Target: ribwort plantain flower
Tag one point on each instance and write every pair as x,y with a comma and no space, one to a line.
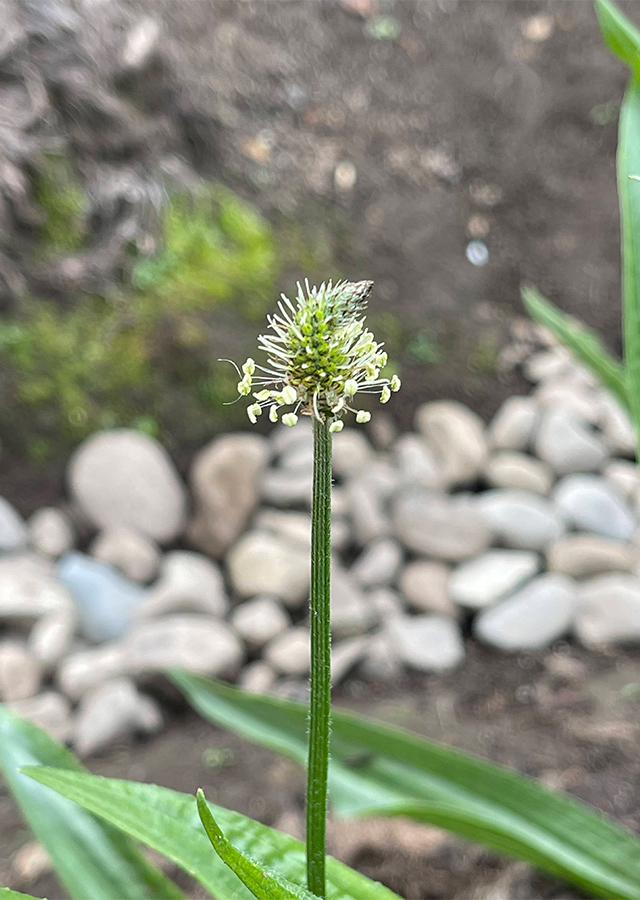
320,357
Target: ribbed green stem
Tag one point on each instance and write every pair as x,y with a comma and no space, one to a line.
320,699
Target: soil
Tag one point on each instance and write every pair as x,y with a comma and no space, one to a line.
566,716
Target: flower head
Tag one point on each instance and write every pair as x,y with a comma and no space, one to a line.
320,356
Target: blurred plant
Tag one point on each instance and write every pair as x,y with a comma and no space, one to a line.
59,194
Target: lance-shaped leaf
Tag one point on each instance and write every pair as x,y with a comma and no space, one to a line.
91,858
619,34
168,822
8,894
376,769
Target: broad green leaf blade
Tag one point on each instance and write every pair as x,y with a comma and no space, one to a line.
376,769
629,197
265,884
92,859
8,894
581,341
619,34
168,822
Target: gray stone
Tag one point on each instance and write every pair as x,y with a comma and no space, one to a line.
263,563
111,711
609,611
29,590
283,438
19,672
345,656
257,677
296,526
385,602
534,617
426,587
624,476
288,654
586,555
583,403
123,477
352,453
378,564
427,643
513,426
259,621
565,442
368,511
351,613
51,637
417,463
14,534
140,45
517,471
456,436
285,487
85,669
188,582
547,364
51,532
484,581
617,427
49,711
591,503
381,661
105,600
436,525
133,554
225,481
520,519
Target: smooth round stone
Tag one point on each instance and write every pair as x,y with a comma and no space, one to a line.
517,471
14,534
51,638
425,585
51,532
263,563
426,643
513,425
289,653
456,436
617,427
260,620
567,444
257,677
133,554
624,476
483,581
432,524
351,612
591,503
520,519
352,452
533,617
49,711
29,589
609,611
547,364
367,509
378,564
288,487
345,655
188,582
123,477
586,555
584,403
416,462
19,671
113,710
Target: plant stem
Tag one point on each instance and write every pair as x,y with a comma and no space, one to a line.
320,680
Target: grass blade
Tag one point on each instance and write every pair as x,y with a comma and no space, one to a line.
8,894
619,34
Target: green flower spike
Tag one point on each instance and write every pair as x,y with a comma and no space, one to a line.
320,356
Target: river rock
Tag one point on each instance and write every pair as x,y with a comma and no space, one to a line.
585,404
28,588
513,426
263,563
586,555
591,503
14,534
137,557
345,655
368,511
296,526
225,481
288,487
520,519
567,444
113,710
257,677
609,611
624,476
617,427
425,586
49,711
433,524
259,621
288,653
378,564
19,671
51,637
188,582
416,462
483,581
85,669
105,600
123,477
547,364
456,436
427,643
351,612
51,532
534,617
518,471
352,453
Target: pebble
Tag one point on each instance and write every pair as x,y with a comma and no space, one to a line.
351,613
513,426
288,654
225,483
263,563
428,643
137,557
188,582
520,519
534,617
378,564
369,517
547,364
50,711
425,585
586,555
517,471
14,534
456,436
381,661
51,532
28,588
416,462
30,862
591,503
345,656
105,600
51,637
584,404
624,476
111,711
296,526
609,611
617,428
123,477
282,487
259,621
257,677
352,453
433,524
385,602
484,581
567,444
85,669
19,671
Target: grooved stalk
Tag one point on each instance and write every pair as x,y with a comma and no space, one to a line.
320,679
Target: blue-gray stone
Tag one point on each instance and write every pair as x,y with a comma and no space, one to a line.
104,598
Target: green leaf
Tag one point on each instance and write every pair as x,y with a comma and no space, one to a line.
581,341
376,769
92,859
8,894
619,34
629,198
168,822
265,884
